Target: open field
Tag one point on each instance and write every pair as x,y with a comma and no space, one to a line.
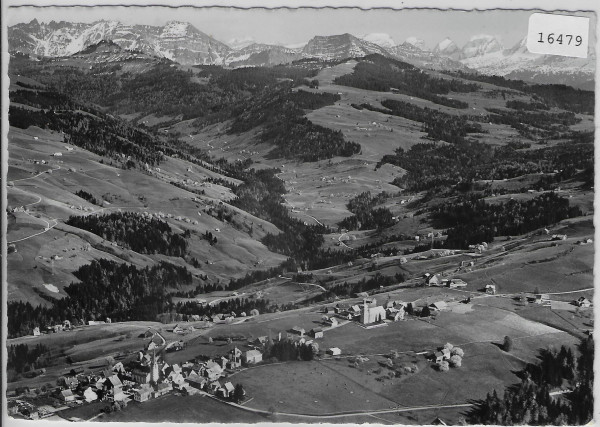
190,409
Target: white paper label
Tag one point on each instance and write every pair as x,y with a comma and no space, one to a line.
563,35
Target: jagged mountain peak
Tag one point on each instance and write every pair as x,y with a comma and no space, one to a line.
340,46
479,45
415,42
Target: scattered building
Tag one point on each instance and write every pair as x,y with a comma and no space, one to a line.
252,357
438,306
300,331
432,280
67,396
317,333
334,351
456,283
490,289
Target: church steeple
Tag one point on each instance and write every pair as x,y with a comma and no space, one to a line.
154,368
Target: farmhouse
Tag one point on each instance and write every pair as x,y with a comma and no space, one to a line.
227,389
456,283
196,381
438,356
432,280
252,357
300,331
543,299
67,396
438,306
178,330
317,333
490,289
334,351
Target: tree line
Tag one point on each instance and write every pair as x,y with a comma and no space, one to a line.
366,216
106,289
280,112
140,233
473,220
21,358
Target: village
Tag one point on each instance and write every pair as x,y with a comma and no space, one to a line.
145,375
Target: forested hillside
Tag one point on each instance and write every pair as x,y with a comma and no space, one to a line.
135,231
378,73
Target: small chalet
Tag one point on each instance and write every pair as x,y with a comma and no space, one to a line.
317,333
490,289
252,357
457,283
67,396
334,351
262,340
300,331
438,356
438,306
178,330
112,384
227,389
432,280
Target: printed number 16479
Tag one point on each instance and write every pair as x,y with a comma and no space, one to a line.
554,38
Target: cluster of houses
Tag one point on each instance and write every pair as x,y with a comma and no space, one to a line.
148,377
437,280
369,312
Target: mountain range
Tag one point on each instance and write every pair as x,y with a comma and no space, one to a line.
183,43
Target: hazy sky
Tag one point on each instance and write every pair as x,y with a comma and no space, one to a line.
287,27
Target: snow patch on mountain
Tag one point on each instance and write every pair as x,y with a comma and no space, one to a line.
381,39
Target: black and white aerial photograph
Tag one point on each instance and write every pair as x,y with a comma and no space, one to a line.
342,215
